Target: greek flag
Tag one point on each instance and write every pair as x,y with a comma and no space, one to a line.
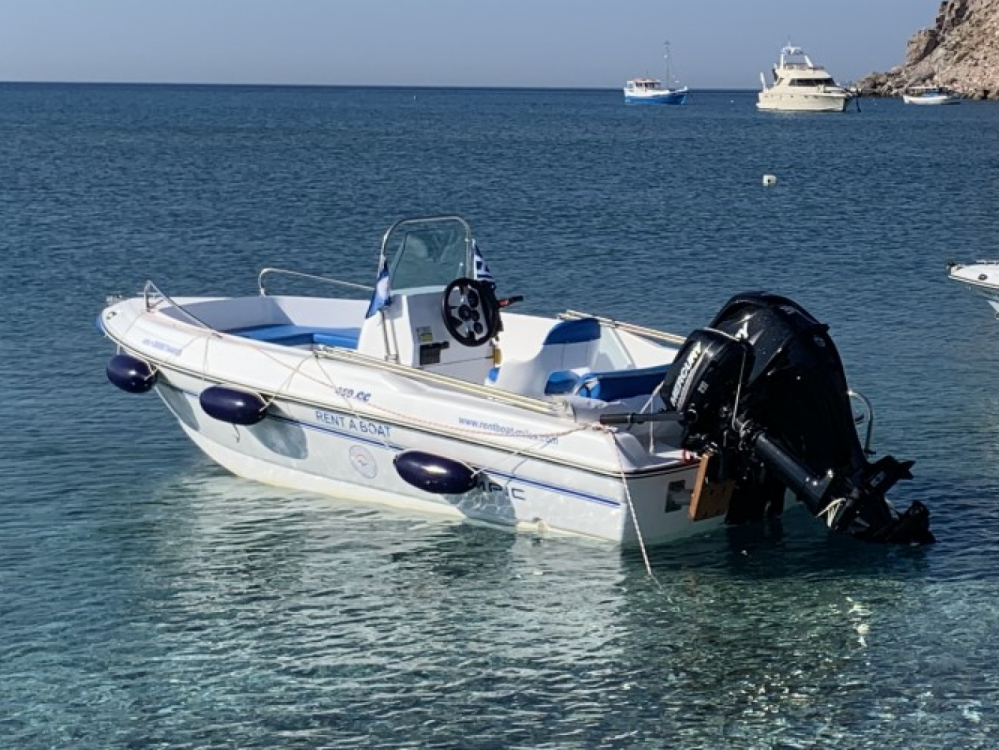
382,296
481,270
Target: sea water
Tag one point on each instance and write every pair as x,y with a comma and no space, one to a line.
149,599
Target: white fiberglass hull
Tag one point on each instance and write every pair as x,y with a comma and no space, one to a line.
782,101
315,448
335,426
930,100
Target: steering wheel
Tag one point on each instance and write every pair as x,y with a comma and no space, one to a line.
471,312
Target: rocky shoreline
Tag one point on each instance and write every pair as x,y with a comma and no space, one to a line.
960,51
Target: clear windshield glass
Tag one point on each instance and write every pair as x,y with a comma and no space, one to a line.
428,252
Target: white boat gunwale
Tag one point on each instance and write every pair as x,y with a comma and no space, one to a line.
557,409
445,431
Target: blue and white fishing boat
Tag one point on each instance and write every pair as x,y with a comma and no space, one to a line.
427,392
653,90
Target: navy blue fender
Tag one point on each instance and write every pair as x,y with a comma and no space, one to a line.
430,473
232,405
131,374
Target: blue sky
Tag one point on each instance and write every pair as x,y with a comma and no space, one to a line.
546,43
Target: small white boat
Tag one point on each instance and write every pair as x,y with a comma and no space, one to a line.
653,91
427,392
930,95
982,277
799,85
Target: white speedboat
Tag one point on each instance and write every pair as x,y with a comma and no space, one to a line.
982,277
433,395
799,85
930,95
653,90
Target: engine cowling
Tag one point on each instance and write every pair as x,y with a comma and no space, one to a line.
764,387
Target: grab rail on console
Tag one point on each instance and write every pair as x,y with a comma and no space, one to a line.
642,331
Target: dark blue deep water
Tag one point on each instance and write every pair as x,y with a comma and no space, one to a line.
150,600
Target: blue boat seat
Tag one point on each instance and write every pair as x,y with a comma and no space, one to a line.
617,385
568,350
292,335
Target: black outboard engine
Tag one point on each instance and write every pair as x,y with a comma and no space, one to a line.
763,389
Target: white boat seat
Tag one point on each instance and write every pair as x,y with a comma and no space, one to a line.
292,335
568,351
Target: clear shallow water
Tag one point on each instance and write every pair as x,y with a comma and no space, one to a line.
147,599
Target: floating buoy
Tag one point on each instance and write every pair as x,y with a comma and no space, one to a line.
232,405
437,474
769,179
131,374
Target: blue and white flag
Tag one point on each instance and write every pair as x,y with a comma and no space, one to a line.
382,296
481,271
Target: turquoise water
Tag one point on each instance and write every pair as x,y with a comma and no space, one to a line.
148,599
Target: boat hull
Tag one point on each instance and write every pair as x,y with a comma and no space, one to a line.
319,447
770,101
672,97
930,100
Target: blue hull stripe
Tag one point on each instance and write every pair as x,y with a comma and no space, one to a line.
355,438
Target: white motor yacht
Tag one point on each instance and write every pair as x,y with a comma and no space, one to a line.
799,85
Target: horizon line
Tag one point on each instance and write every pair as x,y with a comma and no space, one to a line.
425,87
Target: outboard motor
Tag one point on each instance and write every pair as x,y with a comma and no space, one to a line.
763,389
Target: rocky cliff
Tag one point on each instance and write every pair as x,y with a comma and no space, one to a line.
960,51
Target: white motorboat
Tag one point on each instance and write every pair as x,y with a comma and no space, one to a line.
433,395
982,277
653,90
930,95
799,85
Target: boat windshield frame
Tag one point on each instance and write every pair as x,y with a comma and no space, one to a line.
428,252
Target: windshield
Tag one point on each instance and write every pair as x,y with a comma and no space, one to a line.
428,252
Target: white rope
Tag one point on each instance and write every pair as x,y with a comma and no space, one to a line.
829,512
631,506
648,405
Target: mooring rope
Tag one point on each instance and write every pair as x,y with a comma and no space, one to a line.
630,503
